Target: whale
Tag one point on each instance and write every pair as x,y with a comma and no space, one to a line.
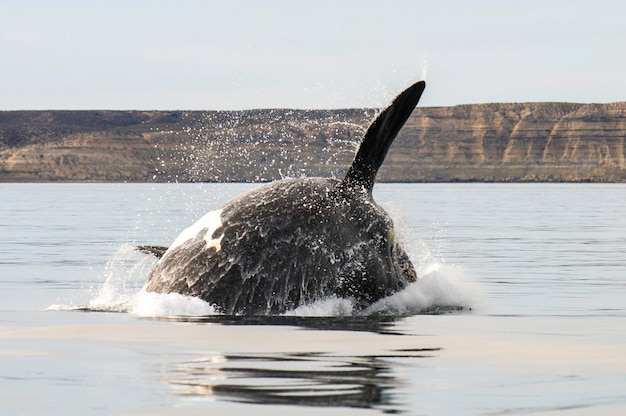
294,242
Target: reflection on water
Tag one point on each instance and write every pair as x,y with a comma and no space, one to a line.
307,379
376,324
380,324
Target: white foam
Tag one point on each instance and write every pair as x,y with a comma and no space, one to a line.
441,286
327,307
150,304
56,307
211,221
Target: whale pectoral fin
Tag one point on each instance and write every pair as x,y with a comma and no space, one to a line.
156,251
379,136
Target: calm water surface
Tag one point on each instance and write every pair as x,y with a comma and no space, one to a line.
542,266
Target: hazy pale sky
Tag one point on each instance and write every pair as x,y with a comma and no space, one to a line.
238,54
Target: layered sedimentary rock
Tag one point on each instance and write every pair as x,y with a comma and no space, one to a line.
480,142
512,142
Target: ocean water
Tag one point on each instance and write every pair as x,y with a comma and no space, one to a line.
538,271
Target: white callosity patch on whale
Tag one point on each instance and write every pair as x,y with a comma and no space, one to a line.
210,222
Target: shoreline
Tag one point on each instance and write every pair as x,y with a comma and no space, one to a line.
493,143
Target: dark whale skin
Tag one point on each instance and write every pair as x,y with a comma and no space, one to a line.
286,244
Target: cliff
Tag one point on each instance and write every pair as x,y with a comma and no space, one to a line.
481,142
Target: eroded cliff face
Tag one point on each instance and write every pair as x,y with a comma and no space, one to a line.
512,142
485,142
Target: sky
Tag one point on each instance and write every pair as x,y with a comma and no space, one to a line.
248,54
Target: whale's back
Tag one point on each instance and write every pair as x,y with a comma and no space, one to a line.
286,244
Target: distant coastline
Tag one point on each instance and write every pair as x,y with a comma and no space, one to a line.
524,142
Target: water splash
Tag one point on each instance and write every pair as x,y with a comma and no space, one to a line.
332,306
266,145
443,288
125,275
123,291
440,288
150,304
